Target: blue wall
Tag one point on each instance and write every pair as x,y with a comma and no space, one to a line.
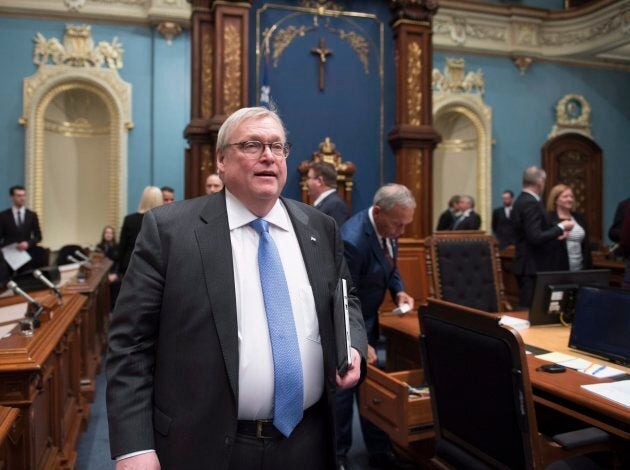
523,114
160,78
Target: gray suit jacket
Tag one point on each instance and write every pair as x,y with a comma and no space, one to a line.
173,347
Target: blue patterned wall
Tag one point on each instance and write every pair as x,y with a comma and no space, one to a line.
160,78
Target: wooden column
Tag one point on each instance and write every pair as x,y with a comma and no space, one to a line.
219,75
413,137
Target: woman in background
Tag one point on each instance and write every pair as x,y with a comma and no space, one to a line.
570,252
151,197
109,248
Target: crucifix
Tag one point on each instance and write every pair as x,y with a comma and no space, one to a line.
322,52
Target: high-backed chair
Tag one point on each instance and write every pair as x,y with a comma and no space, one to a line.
464,267
481,395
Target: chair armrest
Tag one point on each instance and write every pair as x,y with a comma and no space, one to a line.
581,437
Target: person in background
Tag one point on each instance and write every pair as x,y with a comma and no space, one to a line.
533,233
502,225
620,233
321,180
468,219
214,184
371,251
447,218
151,197
168,194
572,251
614,233
20,225
109,248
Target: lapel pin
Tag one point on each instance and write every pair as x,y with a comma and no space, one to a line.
313,239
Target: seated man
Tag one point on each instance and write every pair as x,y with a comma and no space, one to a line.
469,220
322,187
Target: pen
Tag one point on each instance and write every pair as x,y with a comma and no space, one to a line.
598,369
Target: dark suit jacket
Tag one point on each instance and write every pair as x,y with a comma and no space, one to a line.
370,269
533,231
29,231
471,222
128,234
334,206
614,233
173,347
446,220
502,227
557,258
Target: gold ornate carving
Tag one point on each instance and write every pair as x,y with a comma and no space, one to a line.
573,113
454,79
457,145
526,34
77,50
169,30
283,38
582,35
415,170
460,30
233,62
206,73
572,172
320,5
414,90
358,44
522,63
78,128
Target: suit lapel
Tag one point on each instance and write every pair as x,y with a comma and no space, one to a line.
215,247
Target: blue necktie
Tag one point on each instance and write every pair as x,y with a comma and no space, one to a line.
287,363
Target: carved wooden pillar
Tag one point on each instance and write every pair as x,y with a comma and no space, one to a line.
413,137
219,37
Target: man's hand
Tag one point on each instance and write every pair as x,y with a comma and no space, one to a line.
568,225
372,356
22,246
146,461
352,375
404,298
111,277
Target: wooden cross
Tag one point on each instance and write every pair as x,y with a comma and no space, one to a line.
321,52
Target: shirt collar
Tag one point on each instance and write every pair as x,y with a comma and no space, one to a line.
466,213
371,216
239,215
323,196
532,193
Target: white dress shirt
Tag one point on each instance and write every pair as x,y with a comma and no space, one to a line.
323,196
255,369
380,237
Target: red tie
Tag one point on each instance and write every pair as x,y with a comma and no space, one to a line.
387,253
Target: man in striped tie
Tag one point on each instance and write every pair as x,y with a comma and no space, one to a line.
222,346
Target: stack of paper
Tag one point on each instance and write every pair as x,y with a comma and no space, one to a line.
516,323
581,365
619,392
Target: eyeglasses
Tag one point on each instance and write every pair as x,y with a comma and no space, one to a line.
254,148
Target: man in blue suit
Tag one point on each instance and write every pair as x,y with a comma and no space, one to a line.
370,248
321,180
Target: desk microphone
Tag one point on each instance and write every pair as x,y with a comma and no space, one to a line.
80,254
40,276
17,291
72,259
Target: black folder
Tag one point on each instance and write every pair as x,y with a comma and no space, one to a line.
342,327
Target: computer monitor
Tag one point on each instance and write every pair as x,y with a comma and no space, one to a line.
555,293
601,323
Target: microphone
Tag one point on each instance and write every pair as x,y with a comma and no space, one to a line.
33,313
17,291
80,254
40,276
72,259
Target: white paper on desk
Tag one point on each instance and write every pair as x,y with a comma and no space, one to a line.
556,357
619,392
10,316
14,257
516,323
602,371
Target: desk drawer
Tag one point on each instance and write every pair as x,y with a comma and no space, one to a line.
385,401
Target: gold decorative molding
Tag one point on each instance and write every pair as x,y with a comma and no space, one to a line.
232,63
169,31
415,169
414,93
358,43
283,38
78,128
320,5
522,63
455,80
457,145
77,49
573,114
206,73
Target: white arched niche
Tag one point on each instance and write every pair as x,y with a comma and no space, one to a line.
462,162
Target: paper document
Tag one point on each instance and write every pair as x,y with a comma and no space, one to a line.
401,309
597,370
581,365
516,323
555,357
14,257
619,392
10,317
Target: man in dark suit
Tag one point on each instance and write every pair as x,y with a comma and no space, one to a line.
20,225
533,232
222,343
469,219
447,218
502,220
614,233
321,180
371,250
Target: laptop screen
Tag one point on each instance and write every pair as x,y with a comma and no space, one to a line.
601,324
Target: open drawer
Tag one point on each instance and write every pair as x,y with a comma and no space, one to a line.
386,401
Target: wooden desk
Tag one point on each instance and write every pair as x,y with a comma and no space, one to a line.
8,418
95,320
40,376
561,392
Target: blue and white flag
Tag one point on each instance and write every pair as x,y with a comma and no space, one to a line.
265,88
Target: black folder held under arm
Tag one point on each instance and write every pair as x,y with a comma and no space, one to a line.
342,327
